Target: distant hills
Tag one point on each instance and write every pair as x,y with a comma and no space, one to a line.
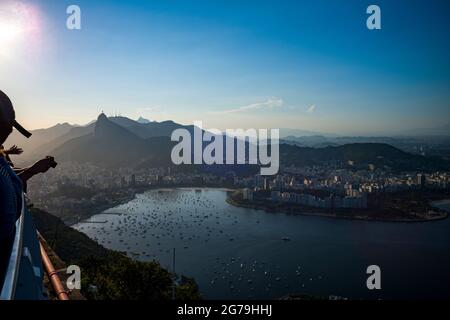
360,155
285,132
120,141
112,145
40,137
432,131
44,141
425,145
437,131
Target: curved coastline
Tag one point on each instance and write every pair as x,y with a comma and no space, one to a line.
443,214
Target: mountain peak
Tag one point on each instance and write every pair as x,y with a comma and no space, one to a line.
107,129
143,120
104,126
102,117
62,124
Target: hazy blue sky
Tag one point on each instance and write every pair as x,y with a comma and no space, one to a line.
310,65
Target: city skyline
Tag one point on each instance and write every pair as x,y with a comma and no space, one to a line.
312,65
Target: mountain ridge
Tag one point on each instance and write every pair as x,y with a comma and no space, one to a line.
112,145
120,141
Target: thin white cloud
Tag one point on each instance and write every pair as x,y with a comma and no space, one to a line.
311,109
268,104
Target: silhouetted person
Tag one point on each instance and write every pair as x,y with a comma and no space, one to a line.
11,184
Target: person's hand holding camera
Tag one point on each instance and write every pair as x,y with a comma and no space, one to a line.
44,165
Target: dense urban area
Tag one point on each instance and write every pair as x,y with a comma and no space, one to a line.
75,191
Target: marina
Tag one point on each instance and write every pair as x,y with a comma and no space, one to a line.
244,253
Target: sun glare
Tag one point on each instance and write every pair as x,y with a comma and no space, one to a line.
10,34
18,25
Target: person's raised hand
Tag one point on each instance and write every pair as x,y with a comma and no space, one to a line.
14,150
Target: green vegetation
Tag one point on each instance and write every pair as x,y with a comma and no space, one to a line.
116,276
108,274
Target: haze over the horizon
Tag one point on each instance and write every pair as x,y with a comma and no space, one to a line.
311,65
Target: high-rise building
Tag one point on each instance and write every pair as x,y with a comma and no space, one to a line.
421,179
266,185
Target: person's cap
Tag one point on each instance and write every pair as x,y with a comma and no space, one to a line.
7,114
21,129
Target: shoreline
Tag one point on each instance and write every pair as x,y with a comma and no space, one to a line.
101,209
442,216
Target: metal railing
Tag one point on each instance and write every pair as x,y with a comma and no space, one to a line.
24,274
53,276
